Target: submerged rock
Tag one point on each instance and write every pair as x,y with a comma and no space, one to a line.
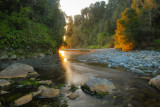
49,92
17,70
155,81
47,82
23,100
73,96
4,82
99,85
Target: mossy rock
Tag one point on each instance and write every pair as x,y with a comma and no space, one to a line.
86,89
73,88
101,94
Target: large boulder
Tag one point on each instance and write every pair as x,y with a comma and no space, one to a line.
99,85
49,92
17,70
155,81
4,82
23,100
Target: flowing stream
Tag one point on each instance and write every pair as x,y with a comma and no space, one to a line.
131,90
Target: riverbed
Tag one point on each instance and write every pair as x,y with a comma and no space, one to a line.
132,90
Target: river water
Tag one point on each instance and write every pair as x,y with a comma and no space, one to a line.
131,90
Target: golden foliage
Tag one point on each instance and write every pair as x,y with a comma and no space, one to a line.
123,39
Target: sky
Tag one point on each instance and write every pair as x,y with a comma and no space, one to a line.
74,7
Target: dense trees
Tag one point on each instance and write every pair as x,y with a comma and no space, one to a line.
99,18
30,23
134,24
127,30
124,24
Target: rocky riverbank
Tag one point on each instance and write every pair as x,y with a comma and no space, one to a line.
141,62
22,54
22,77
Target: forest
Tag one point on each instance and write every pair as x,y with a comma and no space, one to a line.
31,24
123,24
40,24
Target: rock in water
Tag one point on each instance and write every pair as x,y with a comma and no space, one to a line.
49,92
41,55
73,96
4,57
13,57
3,92
23,100
155,81
36,93
47,82
17,70
4,82
100,85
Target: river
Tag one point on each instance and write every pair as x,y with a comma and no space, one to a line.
131,90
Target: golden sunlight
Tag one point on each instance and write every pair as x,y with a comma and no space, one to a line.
62,53
64,38
65,59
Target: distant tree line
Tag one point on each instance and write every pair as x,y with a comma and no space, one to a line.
31,23
123,24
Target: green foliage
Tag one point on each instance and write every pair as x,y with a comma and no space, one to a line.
157,42
96,20
105,40
73,88
139,25
127,30
28,82
37,24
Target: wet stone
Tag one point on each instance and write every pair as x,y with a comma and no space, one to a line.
4,82
23,100
73,96
47,82
17,70
36,93
3,92
49,92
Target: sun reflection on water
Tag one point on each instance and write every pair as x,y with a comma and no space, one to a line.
62,53
66,65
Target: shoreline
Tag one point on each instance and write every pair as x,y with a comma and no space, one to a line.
138,61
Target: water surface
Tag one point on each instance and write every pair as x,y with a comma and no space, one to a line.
131,90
